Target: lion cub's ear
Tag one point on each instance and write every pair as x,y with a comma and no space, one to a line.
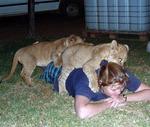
114,44
66,43
127,47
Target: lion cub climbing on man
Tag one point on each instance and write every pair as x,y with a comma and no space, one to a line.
40,54
89,57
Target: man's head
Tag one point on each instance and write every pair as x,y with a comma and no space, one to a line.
112,79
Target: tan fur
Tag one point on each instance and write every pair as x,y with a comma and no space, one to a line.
89,57
40,54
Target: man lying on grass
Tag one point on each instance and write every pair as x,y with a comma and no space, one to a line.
113,79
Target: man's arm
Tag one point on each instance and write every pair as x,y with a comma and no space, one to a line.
141,94
85,109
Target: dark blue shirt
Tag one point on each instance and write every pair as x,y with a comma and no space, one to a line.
77,83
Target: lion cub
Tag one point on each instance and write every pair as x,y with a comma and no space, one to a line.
89,57
40,54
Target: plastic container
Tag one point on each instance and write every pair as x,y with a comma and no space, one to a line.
118,15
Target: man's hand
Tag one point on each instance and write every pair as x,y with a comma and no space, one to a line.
117,101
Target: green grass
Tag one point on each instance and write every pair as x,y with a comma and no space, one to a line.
39,106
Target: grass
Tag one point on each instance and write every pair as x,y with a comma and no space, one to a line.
39,106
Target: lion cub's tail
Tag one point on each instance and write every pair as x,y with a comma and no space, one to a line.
13,68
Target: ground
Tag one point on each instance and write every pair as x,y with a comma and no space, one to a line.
47,24
38,106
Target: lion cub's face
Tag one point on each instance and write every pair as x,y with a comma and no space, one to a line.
119,53
70,41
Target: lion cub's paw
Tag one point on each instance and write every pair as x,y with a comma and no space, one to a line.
95,89
94,86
